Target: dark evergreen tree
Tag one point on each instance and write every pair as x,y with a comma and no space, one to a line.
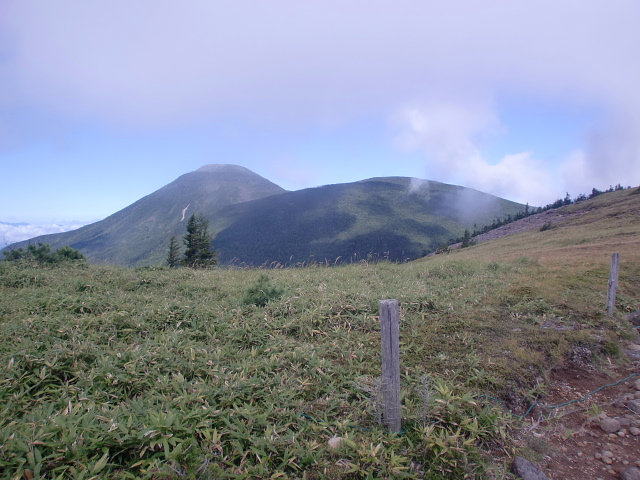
173,257
197,240
67,253
466,239
595,192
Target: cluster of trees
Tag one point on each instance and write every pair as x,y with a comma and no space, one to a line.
199,252
42,254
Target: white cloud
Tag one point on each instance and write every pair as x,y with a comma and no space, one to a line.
611,156
518,177
142,65
447,134
166,63
16,233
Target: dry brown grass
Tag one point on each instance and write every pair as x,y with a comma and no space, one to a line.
578,251
606,224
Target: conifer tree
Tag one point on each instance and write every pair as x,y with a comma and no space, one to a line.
173,258
197,240
466,240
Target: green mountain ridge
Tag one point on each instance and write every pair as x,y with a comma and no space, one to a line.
380,217
256,222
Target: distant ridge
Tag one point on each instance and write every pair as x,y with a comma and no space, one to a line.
254,221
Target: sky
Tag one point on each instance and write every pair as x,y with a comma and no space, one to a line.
102,103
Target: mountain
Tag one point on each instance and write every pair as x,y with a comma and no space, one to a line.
255,221
139,233
396,218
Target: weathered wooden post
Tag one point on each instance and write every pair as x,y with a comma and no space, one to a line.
613,283
389,321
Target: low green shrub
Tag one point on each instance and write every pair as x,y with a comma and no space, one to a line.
261,292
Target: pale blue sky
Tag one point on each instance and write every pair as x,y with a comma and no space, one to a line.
102,103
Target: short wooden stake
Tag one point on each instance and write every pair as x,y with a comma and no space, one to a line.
613,283
389,322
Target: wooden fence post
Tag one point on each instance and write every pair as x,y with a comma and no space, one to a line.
613,283
389,322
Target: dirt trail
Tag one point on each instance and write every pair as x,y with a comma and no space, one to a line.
571,442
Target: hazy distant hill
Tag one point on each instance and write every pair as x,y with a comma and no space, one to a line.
256,221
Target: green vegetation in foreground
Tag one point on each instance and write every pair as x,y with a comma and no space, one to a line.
42,254
165,373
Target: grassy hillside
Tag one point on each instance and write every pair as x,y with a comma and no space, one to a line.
396,218
156,373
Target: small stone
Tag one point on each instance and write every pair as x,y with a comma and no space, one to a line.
607,460
631,473
609,425
622,433
636,384
623,421
635,431
598,456
334,442
526,470
607,453
634,405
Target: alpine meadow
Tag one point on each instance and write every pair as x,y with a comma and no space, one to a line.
234,372
304,240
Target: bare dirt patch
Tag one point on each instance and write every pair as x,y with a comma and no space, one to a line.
578,440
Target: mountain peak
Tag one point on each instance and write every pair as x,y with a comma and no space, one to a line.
219,167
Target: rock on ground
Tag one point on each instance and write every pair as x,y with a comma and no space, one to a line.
526,470
610,425
634,405
631,473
